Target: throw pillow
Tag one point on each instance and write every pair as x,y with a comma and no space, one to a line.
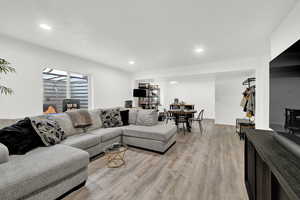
65,123
147,118
111,117
49,131
80,118
133,115
20,137
125,117
96,120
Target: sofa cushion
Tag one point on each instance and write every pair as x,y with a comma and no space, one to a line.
66,124
80,118
111,117
133,115
82,141
4,155
38,169
96,120
161,131
147,118
107,133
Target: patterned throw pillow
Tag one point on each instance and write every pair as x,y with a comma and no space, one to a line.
111,117
49,131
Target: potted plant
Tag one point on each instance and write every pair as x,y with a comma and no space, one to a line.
5,68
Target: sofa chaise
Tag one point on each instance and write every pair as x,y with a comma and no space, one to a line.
50,172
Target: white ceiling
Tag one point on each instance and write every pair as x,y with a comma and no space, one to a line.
154,33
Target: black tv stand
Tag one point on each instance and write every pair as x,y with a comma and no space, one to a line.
271,172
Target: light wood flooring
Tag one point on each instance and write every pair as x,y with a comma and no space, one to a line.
197,167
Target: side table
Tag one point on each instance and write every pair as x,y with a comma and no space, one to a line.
242,124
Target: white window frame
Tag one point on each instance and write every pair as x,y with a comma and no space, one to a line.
68,94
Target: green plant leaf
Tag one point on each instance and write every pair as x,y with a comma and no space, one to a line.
5,90
6,69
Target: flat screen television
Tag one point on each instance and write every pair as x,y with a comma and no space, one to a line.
285,92
139,93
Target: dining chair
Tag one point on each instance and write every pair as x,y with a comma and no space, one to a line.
199,119
168,116
181,120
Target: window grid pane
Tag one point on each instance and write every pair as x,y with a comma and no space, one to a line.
55,88
79,86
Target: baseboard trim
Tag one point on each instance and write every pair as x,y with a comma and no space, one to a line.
152,149
72,190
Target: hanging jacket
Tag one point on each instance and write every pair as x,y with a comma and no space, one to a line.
248,101
243,102
251,101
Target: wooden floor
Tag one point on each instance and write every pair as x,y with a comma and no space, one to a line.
197,167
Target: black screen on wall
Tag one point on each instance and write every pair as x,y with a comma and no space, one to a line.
139,93
285,90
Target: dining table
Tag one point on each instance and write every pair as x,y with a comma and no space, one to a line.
186,113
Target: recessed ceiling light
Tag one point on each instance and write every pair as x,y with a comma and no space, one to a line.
131,62
173,82
45,27
199,50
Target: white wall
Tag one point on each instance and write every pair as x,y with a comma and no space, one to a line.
287,33
197,91
110,87
229,91
218,93
262,93
258,64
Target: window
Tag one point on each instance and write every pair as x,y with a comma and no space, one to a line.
60,86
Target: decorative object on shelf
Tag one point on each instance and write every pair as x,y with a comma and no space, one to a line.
49,109
71,104
5,68
128,104
176,101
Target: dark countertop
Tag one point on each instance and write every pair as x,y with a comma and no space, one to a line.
284,165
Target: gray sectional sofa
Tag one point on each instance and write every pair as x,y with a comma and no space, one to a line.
50,172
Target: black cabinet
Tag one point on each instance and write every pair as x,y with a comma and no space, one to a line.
250,169
271,172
